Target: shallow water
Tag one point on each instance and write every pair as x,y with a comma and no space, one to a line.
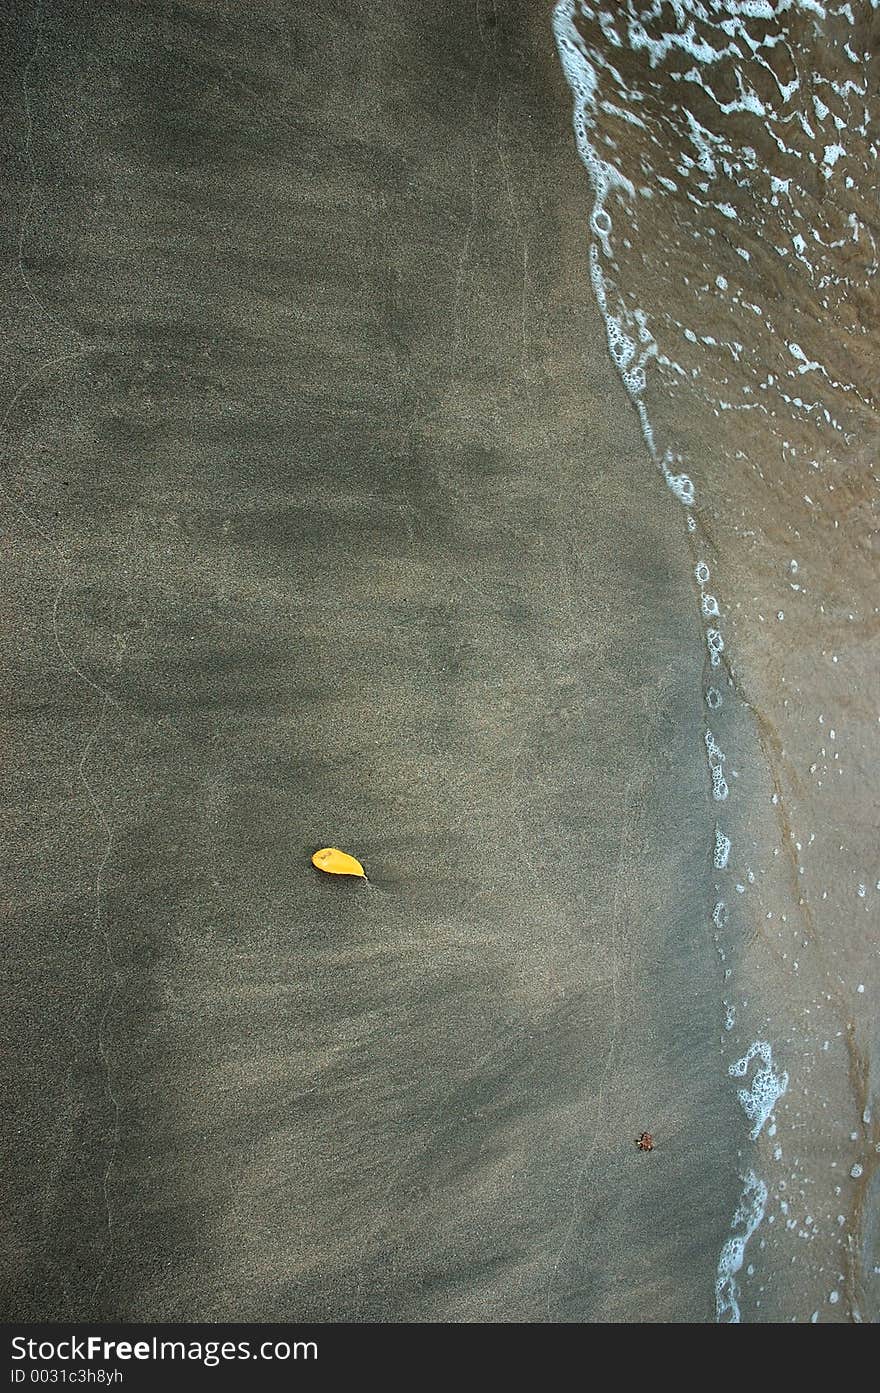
732,154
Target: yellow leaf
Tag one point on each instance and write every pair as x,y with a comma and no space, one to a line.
336,862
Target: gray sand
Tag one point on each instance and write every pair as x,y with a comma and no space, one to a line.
349,529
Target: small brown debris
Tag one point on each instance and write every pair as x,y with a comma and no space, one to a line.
645,1142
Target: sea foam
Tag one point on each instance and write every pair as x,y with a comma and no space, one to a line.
767,1087
746,1220
716,37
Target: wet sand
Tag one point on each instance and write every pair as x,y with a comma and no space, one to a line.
328,522
758,350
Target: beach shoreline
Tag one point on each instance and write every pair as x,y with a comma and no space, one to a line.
333,525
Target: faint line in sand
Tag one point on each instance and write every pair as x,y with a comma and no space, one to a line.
609,1059
98,922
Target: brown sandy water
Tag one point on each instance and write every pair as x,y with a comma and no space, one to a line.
746,242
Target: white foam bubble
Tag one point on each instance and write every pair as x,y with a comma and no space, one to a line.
714,752
767,1086
715,644
722,850
681,486
748,1216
